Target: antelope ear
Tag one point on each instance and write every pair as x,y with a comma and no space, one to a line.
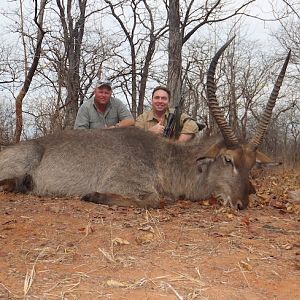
203,162
263,160
208,157
213,151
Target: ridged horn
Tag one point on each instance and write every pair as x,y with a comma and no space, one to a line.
265,119
227,132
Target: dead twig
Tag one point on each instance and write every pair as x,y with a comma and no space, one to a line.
150,219
173,290
30,275
243,273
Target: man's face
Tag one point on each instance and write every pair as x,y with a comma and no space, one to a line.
160,101
102,95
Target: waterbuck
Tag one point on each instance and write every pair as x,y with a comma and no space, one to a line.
131,167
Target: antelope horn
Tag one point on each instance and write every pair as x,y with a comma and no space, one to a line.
265,119
227,132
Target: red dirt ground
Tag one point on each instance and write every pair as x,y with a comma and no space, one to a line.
67,249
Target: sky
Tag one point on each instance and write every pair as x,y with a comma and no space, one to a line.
263,9
257,29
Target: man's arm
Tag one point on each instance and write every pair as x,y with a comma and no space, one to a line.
185,137
125,116
82,119
189,129
126,123
140,122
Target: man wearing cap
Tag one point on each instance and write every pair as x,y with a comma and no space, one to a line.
155,120
102,110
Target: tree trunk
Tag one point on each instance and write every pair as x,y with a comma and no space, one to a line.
175,53
73,35
39,17
145,73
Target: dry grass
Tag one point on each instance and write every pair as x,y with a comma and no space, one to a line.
187,251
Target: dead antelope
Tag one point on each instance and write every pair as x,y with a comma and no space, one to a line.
131,167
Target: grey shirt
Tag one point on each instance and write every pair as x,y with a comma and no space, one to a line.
89,117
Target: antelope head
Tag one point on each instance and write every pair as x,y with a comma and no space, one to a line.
237,157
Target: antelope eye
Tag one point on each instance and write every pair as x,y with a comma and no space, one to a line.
227,159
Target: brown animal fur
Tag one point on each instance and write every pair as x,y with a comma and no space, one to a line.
129,166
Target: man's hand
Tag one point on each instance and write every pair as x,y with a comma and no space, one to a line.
158,128
123,123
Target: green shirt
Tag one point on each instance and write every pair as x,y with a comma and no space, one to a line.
89,117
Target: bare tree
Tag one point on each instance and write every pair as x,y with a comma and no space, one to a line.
94,52
6,125
175,52
73,32
195,62
142,21
184,22
7,70
38,19
288,116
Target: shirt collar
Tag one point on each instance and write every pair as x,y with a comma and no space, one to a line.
151,116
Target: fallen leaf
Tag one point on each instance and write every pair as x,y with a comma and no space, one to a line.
147,228
205,203
115,283
119,241
145,238
246,220
229,216
278,204
287,246
262,196
246,266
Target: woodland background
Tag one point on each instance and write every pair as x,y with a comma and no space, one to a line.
53,51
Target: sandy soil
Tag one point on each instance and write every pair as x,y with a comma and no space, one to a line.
67,249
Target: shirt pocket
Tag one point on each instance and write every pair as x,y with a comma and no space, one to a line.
97,121
112,119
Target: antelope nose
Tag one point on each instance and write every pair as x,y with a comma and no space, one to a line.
239,205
